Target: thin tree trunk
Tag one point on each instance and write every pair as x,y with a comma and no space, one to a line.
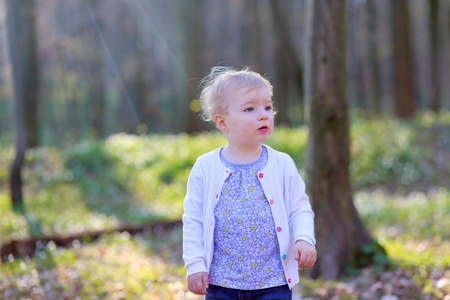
138,81
404,100
97,103
32,74
259,49
434,38
97,100
289,67
96,86
369,57
339,229
374,56
23,54
22,19
356,53
191,28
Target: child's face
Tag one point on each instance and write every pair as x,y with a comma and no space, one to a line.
247,118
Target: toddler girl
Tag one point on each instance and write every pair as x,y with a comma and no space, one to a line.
248,224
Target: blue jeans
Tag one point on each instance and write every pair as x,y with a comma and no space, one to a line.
276,293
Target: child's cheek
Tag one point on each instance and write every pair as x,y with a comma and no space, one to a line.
247,125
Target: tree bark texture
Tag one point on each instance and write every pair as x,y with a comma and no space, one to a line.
339,229
404,99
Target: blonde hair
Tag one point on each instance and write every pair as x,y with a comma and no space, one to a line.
214,87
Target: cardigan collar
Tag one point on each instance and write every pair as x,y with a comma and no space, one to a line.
222,168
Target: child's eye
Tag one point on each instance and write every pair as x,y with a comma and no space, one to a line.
248,109
269,108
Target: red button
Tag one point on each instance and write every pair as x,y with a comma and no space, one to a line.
261,175
279,229
289,280
272,202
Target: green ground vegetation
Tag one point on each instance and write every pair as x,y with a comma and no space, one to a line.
400,172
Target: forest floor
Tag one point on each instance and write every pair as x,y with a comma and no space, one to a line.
149,266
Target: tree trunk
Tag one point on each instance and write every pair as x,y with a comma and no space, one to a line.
374,56
191,33
340,231
257,25
23,54
434,38
97,100
404,100
289,67
23,45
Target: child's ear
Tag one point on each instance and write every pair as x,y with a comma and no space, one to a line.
221,123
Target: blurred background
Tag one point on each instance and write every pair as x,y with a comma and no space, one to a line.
104,67
107,94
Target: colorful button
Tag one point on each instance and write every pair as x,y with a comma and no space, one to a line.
279,229
289,280
272,202
261,175
284,256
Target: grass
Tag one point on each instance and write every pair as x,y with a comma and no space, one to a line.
400,181
116,267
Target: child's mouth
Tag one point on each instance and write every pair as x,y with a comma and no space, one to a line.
263,129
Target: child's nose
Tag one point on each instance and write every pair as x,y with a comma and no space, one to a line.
263,115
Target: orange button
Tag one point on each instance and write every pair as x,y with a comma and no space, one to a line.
272,202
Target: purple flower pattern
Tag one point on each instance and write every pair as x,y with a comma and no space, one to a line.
246,251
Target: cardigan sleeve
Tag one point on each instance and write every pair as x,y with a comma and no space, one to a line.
194,253
301,217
